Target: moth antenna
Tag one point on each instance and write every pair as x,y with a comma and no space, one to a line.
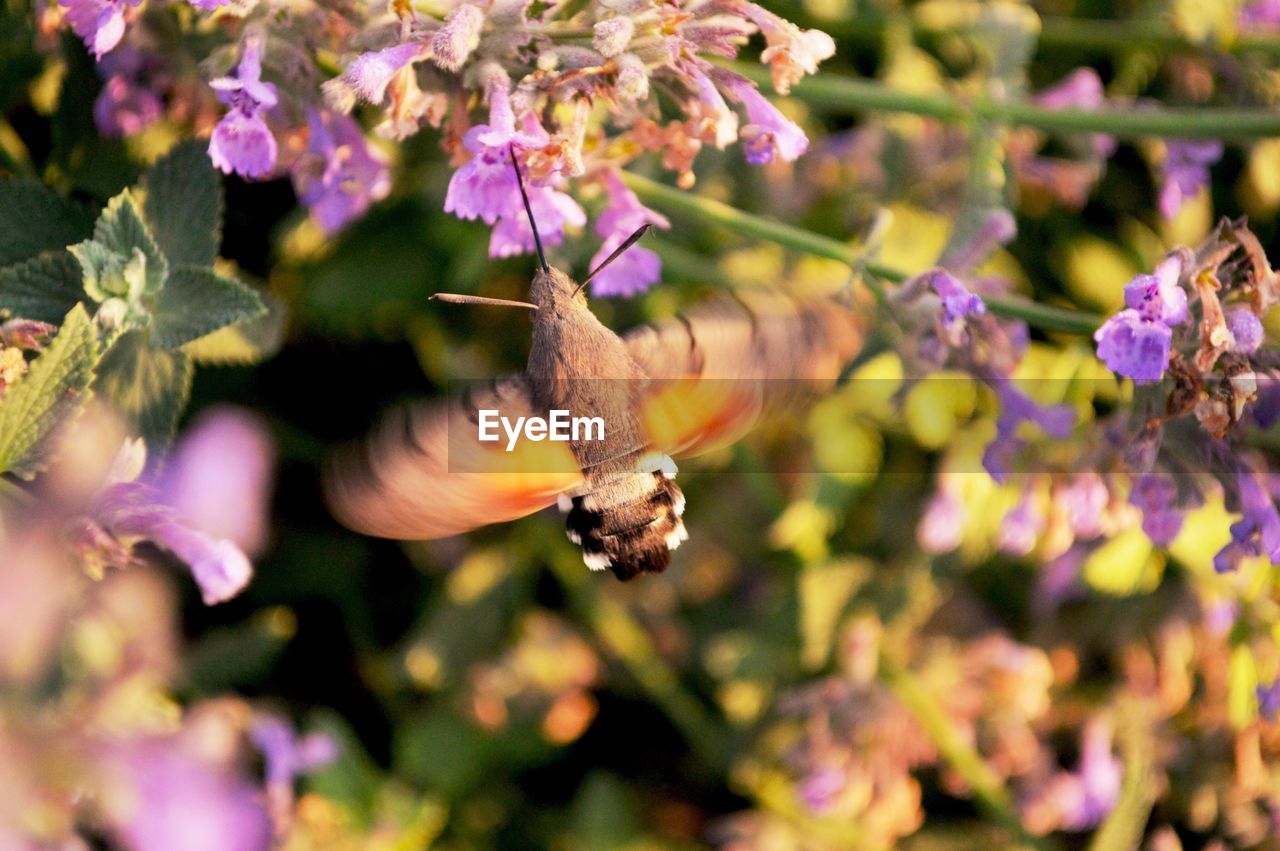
627,243
456,298
524,196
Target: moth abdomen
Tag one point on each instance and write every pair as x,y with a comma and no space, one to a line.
630,525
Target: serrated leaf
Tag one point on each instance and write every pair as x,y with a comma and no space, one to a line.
196,302
184,205
55,388
35,219
245,342
43,288
121,229
149,386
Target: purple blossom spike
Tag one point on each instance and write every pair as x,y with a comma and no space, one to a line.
99,23
126,105
639,268
1157,297
1185,171
340,175
1257,532
1155,494
768,135
1246,329
368,76
552,210
242,141
285,754
611,36
453,42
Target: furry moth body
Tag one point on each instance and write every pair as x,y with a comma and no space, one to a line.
623,505
619,492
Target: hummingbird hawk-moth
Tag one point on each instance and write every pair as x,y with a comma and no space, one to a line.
679,387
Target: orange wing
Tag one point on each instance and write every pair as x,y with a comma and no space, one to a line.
424,474
717,368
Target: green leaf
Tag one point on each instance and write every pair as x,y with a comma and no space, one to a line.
184,205
121,229
42,288
196,302
54,389
149,386
246,342
35,219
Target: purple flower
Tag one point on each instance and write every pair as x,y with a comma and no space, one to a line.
453,42
242,141
133,511
819,789
1134,347
167,799
1157,297
485,186
710,103
1096,786
768,134
287,756
1257,532
957,301
124,108
1185,171
1155,494
340,175
639,268
1016,408
1020,528
552,211
1269,700
1246,329
368,76
209,5
100,23
218,476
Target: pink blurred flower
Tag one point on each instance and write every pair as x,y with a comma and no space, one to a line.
218,476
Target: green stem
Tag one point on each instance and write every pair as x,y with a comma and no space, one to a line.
849,94
799,239
987,789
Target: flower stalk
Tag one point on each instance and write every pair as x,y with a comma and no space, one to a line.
789,236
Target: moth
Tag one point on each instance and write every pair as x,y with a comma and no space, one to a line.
679,387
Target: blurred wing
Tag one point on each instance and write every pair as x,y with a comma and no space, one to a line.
423,473
717,368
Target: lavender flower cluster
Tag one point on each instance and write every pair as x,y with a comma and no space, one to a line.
93,745
570,90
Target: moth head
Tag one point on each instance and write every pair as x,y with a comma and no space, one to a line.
551,287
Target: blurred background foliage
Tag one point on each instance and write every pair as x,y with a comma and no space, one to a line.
489,693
